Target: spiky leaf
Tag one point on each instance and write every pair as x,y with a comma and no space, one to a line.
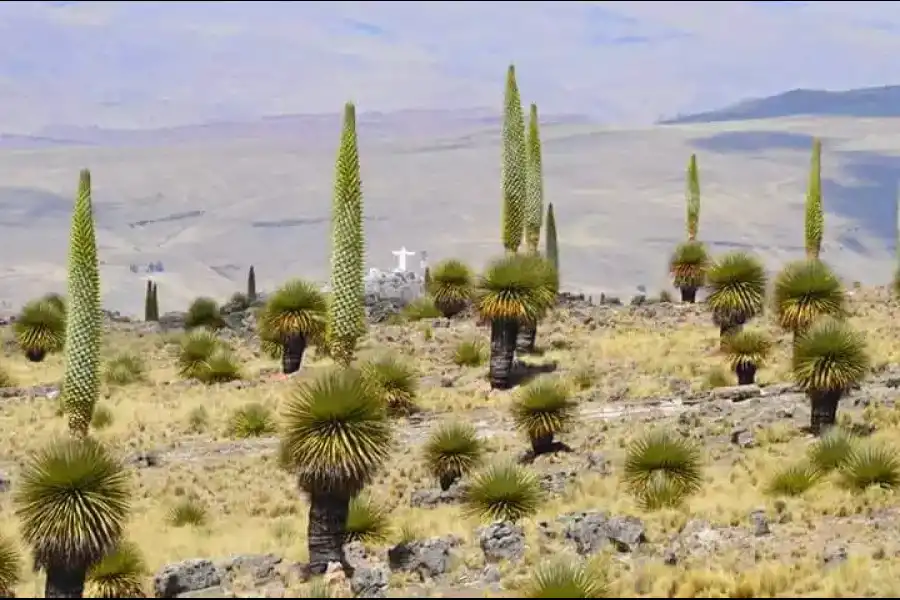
453,450
830,356
296,307
688,265
747,348
737,288
395,381
534,205
511,288
40,328
872,465
346,317
121,573
833,450
566,580
10,567
513,176
503,492
662,459
806,290
367,521
451,286
72,501
336,430
81,381
197,346
543,409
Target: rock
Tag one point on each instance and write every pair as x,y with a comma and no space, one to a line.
436,497
186,576
834,555
555,482
400,287
626,533
146,458
491,574
370,582
210,592
429,558
260,566
742,437
737,393
759,523
597,463
502,541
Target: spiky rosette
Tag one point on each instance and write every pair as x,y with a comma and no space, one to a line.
346,318
688,265
514,165
81,383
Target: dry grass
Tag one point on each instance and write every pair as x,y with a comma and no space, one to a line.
254,507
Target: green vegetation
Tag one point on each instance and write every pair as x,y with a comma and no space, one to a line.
515,164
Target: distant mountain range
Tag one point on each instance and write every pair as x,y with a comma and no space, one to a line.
881,101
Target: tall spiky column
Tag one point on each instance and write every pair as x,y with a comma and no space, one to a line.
814,226
551,251
251,284
514,165
534,205
81,382
346,314
148,302
693,199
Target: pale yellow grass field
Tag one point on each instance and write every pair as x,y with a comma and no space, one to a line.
254,507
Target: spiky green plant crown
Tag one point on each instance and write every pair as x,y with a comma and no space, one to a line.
81,382
346,319
805,290
830,356
737,286
534,214
747,348
814,225
688,265
514,165
693,199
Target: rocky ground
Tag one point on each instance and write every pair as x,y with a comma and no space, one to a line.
635,367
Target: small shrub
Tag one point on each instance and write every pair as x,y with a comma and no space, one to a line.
469,353
198,419
872,465
833,450
10,567
395,381
451,286
421,308
188,512
793,480
583,377
452,451
124,369
542,410
665,297
221,367
367,522
661,469
505,492
6,379
196,349
239,301
717,377
251,420
203,312
102,417
566,580
120,574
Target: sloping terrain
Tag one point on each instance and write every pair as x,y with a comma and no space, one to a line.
204,209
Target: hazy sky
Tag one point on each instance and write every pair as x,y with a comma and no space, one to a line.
143,64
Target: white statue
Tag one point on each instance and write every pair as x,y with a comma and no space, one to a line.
401,255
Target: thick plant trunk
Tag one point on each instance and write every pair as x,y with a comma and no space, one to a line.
447,480
746,373
689,295
503,349
35,355
326,530
824,407
526,338
64,581
292,356
542,445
